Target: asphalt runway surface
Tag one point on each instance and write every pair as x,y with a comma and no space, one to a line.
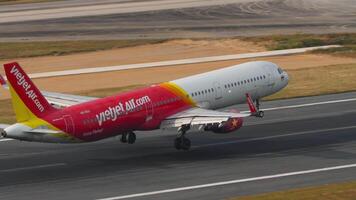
293,146
134,19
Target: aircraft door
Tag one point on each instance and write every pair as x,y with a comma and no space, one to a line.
149,111
68,120
270,77
218,90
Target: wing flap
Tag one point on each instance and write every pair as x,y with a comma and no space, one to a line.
199,116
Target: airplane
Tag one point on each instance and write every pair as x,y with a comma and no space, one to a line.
179,104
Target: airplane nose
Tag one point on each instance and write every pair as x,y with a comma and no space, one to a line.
286,77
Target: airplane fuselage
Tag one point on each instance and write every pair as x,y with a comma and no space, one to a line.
146,108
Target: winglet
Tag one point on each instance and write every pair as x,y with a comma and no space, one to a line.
251,105
2,81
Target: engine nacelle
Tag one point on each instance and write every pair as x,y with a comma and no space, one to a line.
229,126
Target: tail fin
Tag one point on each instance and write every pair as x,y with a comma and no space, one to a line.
27,100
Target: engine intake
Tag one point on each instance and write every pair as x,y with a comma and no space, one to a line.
229,126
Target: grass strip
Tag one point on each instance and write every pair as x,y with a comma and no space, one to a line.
341,191
280,42
10,50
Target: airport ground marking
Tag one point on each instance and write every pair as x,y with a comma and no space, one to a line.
32,167
173,63
5,140
230,182
310,104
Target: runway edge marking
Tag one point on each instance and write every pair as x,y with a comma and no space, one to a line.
232,182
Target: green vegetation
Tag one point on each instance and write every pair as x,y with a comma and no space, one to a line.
55,48
279,42
342,191
319,80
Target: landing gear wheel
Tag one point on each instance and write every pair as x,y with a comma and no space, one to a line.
131,138
123,138
178,143
182,143
185,144
260,114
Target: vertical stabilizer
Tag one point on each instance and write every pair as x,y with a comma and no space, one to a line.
27,100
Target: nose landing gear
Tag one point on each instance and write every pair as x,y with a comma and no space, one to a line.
259,112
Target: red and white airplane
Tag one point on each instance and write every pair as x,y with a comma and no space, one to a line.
184,103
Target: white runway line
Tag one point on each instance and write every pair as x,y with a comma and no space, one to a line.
194,187
176,62
310,104
6,139
32,167
278,136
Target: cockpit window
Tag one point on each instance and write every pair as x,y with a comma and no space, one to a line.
280,71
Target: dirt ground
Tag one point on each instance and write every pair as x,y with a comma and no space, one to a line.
177,49
170,50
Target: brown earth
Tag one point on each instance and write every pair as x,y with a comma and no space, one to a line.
171,50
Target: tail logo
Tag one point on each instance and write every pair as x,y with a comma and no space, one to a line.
21,81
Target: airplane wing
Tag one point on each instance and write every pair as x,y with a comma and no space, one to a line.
65,100
58,99
200,116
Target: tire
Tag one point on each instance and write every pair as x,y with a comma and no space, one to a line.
123,139
178,143
186,144
131,138
261,114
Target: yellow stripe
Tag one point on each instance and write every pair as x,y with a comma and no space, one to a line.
26,117
177,90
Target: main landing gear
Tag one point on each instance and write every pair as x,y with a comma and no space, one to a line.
181,142
129,137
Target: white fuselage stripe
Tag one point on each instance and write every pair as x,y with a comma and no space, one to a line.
194,187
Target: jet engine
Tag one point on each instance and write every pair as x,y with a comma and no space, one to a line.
229,126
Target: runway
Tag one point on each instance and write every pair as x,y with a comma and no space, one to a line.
175,63
293,146
139,19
